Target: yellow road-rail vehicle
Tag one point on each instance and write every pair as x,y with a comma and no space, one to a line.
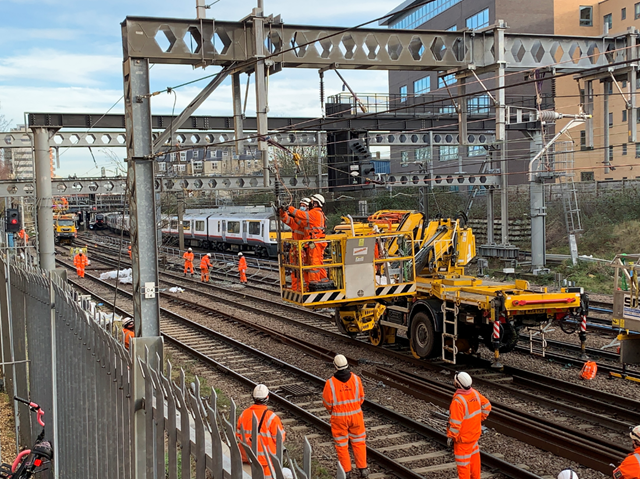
400,276
64,227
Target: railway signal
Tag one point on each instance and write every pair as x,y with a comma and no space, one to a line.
13,224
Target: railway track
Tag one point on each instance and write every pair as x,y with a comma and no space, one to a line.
602,419
399,445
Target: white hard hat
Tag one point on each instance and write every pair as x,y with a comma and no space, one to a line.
376,229
319,198
305,201
286,473
635,433
462,380
209,255
340,362
127,322
260,392
567,474
240,254
189,249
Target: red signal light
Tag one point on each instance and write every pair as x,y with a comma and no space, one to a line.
14,221
37,462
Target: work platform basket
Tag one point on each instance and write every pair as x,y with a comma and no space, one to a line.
351,269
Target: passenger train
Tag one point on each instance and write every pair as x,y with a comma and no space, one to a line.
231,229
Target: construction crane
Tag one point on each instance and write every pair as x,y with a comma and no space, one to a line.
399,275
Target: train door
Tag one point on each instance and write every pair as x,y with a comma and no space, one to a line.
224,230
244,232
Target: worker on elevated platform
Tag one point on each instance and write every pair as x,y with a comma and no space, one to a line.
299,228
205,264
316,230
188,261
127,331
343,396
268,426
630,467
242,268
467,411
80,261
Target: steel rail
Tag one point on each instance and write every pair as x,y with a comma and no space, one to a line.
585,449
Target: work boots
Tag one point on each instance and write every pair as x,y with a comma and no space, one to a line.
364,473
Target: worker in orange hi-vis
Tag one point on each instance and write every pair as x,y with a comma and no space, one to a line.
268,426
205,264
23,236
130,257
630,467
467,411
80,261
188,261
242,268
315,230
299,228
127,331
343,396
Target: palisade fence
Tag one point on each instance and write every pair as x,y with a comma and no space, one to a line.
106,416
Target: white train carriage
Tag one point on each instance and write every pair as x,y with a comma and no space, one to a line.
229,230
117,222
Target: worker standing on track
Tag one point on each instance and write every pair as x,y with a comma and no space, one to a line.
127,331
80,261
316,230
188,261
467,411
268,425
130,252
205,264
242,268
299,229
630,467
343,396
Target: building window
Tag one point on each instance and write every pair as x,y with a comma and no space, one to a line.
611,153
636,9
609,87
586,16
476,150
478,104
623,14
624,149
422,86
403,93
583,140
453,28
446,80
449,110
195,155
423,14
624,115
423,154
448,153
637,150
608,20
587,176
624,83
404,158
479,20
610,120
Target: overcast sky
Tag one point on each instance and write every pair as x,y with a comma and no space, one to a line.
66,56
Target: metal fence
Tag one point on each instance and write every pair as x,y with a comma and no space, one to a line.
109,416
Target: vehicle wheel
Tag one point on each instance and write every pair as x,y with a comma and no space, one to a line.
509,336
376,336
341,327
422,336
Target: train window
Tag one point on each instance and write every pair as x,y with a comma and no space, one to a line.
254,227
218,226
233,227
174,224
273,227
186,225
199,225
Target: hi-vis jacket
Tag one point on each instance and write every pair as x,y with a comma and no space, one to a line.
466,413
269,423
299,227
315,221
343,399
630,467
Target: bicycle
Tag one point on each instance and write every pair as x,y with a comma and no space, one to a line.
30,461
